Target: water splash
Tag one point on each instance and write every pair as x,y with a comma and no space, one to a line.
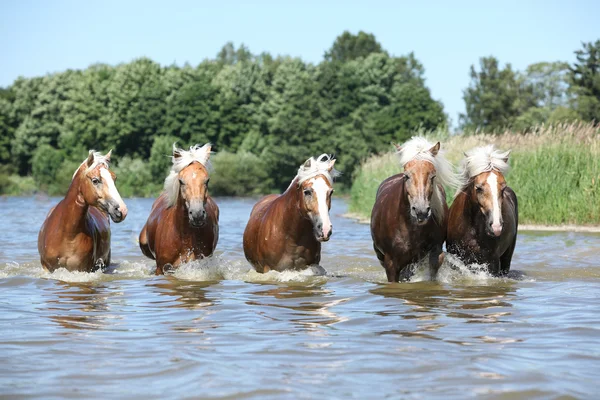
218,268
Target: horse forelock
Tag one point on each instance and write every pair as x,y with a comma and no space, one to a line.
418,149
196,153
479,160
99,160
318,166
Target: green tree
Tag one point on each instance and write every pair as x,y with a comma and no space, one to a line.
136,106
495,96
349,47
585,74
160,157
46,163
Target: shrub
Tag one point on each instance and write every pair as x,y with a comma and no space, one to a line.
239,174
135,178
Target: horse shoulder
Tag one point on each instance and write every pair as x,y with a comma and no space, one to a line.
459,224
513,211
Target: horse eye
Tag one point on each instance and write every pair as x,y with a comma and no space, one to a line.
181,182
432,177
479,189
308,192
95,181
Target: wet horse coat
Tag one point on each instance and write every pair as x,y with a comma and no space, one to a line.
285,231
184,221
483,218
409,217
76,233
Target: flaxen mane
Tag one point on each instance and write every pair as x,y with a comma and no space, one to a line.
482,159
196,153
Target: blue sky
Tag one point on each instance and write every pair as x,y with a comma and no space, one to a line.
38,37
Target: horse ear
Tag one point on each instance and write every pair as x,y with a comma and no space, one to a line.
308,163
90,159
176,153
435,149
397,146
208,148
107,156
331,164
505,158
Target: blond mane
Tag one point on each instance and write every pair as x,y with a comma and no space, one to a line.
196,153
99,159
482,159
318,166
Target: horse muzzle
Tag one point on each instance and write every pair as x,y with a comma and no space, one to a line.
198,218
323,235
495,230
422,217
117,213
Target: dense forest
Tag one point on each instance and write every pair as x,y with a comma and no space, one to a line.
264,114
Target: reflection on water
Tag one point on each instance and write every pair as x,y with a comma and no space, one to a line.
79,306
185,294
300,305
217,329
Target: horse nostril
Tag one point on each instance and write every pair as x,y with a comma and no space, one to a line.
428,209
414,208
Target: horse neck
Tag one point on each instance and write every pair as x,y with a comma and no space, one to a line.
182,221
403,204
74,207
295,221
470,208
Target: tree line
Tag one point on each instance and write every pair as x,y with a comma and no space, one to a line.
264,114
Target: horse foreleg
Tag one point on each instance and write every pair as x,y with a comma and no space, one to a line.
506,258
391,269
436,258
144,244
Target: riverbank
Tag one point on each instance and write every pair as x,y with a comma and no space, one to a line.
555,172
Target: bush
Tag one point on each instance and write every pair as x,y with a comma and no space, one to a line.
45,164
135,178
239,174
160,157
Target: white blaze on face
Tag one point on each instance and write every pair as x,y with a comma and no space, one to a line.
321,188
112,190
492,180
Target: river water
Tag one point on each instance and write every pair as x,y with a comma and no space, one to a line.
217,329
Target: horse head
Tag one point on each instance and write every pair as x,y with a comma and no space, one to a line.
420,173
192,180
315,186
488,192
484,169
97,186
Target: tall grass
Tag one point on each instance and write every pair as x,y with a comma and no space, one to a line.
555,172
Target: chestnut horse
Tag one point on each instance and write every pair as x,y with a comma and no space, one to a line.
483,220
76,233
184,222
408,221
285,231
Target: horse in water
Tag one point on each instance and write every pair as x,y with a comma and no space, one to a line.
76,233
408,221
483,219
286,231
184,222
